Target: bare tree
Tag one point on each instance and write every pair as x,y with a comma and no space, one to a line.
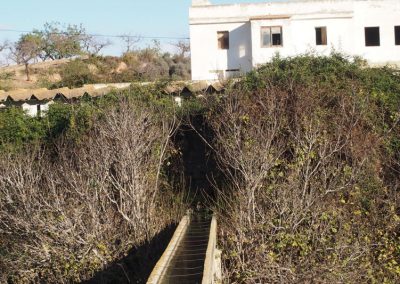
92,45
183,47
289,157
3,46
130,41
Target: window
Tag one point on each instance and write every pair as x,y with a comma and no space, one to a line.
271,36
38,110
372,37
321,36
223,40
397,35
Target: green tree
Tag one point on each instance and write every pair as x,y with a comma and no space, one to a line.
26,50
60,41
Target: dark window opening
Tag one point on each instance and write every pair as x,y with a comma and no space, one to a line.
321,36
223,40
397,35
38,110
372,36
276,39
271,36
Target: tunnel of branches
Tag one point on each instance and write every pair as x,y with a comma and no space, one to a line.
192,170
197,166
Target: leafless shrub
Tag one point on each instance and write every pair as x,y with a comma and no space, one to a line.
93,46
301,166
64,217
130,41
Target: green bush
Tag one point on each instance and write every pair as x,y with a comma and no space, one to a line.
75,74
17,129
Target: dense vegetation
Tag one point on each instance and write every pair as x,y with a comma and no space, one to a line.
144,65
82,186
309,148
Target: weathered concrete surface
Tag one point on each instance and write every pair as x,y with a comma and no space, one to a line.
212,263
192,256
187,265
162,264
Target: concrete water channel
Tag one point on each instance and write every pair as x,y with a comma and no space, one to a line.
190,256
187,264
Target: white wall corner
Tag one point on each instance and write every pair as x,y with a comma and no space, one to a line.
200,2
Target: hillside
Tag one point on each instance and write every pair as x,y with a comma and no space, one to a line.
13,77
143,65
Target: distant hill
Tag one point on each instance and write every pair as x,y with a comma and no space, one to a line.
13,77
135,66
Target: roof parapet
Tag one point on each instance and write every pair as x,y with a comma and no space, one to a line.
200,2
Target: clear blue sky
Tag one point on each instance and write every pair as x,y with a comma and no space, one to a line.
167,18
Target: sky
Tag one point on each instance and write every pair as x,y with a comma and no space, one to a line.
148,18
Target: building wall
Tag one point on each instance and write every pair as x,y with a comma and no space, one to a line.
299,37
31,108
386,15
209,62
345,21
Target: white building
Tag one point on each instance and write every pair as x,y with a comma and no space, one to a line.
34,109
230,39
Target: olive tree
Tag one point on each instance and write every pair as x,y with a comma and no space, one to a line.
59,41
